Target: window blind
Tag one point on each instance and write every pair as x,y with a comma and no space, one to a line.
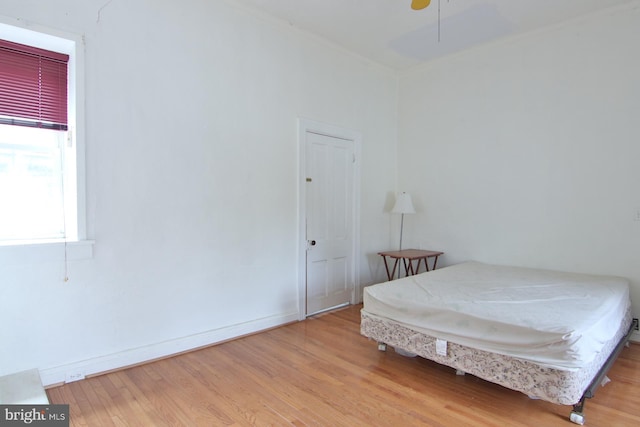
33,86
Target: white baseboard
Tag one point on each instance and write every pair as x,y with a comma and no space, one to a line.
79,370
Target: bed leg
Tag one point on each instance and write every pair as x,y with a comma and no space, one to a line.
382,346
577,415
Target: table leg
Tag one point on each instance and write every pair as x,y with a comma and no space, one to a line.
410,268
395,265
386,267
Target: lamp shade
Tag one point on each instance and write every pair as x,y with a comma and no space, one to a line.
403,205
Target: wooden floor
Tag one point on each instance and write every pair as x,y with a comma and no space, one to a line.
322,372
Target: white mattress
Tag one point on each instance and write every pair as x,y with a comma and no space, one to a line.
555,319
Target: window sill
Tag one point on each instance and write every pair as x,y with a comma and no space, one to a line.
50,251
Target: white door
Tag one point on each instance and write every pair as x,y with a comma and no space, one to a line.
330,163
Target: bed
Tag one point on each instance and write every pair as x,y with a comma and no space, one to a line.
551,335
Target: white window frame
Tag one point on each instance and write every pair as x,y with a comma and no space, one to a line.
19,31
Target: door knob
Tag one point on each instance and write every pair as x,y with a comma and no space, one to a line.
313,243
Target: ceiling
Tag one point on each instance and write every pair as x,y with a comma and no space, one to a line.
391,33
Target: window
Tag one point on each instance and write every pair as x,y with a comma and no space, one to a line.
41,152
31,184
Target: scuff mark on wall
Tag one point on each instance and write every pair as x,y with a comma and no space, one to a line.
100,10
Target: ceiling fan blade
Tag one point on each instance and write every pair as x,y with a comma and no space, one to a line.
419,4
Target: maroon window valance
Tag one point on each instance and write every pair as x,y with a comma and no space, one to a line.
33,86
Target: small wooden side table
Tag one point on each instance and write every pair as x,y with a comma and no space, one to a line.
408,256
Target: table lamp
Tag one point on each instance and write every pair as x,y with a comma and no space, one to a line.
403,205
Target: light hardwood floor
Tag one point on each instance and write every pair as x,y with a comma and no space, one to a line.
322,372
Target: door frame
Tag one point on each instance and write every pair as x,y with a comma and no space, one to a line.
304,126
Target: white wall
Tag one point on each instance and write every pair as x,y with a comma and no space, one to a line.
191,159
527,152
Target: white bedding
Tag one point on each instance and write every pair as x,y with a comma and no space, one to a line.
554,319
